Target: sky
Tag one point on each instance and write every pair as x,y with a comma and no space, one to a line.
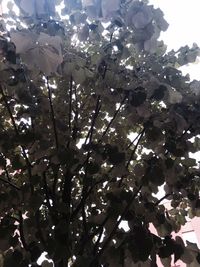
183,17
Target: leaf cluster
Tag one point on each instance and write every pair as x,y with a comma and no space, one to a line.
95,116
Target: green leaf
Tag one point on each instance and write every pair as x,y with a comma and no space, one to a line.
35,201
117,158
174,96
14,240
138,96
79,75
47,264
159,93
2,161
93,168
109,7
178,252
17,162
1,260
142,18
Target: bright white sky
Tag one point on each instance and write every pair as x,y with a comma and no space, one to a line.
183,17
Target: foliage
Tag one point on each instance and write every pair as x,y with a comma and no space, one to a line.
94,117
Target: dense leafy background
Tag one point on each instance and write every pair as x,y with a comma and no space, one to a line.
94,117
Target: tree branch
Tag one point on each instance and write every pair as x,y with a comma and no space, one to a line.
28,164
84,196
14,218
108,240
96,112
21,231
46,191
11,184
52,114
52,211
99,237
115,115
55,172
160,200
132,142
66,195
70,103
7,174
9,110
92,235
135,148
87,194
37,219
140,135
74,132
84,220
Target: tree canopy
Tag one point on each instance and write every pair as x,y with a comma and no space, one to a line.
95,116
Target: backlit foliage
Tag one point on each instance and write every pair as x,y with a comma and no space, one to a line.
94,117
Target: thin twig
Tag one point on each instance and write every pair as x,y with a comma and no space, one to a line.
74,132
11,184
96,112
113,232
9,110
55,172
84,220
160,200
84,103
84,197
70,104
46,188
87,194
132,154
99,237
14,218
21,231
7,174
49,198
5,168
66,195
135,148
79,206
132,142
52,114
28,164
113,118
37,219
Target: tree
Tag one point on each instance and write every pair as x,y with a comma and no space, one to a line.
95,116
